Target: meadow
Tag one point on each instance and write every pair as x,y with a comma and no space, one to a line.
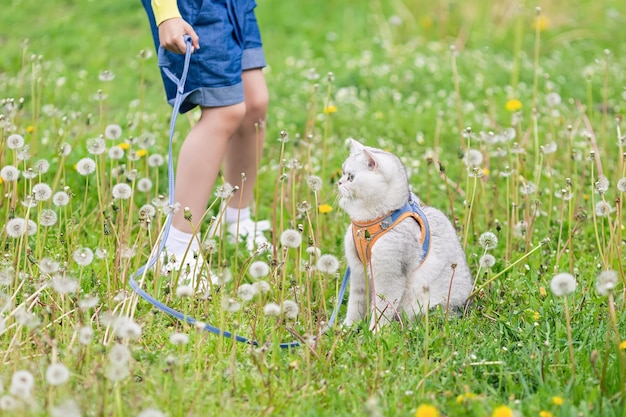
508,117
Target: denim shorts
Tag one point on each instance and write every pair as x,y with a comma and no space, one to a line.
230,42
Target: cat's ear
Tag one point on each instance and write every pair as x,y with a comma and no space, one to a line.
372,164
355,146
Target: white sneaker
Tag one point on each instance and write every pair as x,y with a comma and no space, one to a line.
246,229
191,270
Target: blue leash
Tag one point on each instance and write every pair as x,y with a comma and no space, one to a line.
180,82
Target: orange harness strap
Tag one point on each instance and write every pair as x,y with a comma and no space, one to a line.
365,234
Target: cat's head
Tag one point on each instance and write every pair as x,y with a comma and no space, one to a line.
373,183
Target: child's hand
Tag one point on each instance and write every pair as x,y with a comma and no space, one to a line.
171,32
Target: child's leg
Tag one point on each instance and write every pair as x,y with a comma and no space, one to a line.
200,159
246,145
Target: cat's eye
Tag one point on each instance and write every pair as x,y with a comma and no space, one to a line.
350,177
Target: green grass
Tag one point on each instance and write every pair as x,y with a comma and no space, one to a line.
393,86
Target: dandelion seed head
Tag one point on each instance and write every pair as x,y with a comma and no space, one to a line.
57,374
121,191
65,149
549,148
290,309
85,335
96,146
113,131
602,184
48,266
291,238
15,141
9,173
621,185
41,166
64,284
68,408
60,199
119,354
262,286
230,305
224,191
6,278
184,291
327,264
126,328
179,339
528,188
488,240
47,217
246,292
563,284
151,412
83,256
314,182
606,282
603,209
15,227
106,75
258,269
42,192
473,158
553,99
487,261
155,160
22,380
87,302
147,211
115,372
86,166
144,185
116,152
271,309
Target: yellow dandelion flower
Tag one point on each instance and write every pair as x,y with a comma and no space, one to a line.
556,400
622,345
465,397
1,180
486,172
513,105
502,411
331,108
426,410
585,197
426,22
542,291
124,146
142,152
325,208
30,129
541,23
536,315
543,413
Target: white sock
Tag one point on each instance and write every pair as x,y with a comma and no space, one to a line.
177,242
232,214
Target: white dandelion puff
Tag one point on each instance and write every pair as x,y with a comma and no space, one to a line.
291,238
48,266
41,167
83,256
127,328
22,381
487,261
271,309
42,192
327,264
57,374
15,141
113,131
602,184
259,269
621,185
528,188
8,403
473,158
290,309
122,191
549,148
64,284
144,185
179,339
87,302
65,149
116,152
16,227
230,305
96,146
151,412
262,286
60,199
603,209
47,217
86,166
563,284
119,354
314,182
85,335
9,173
68,408
246,292
183,291
224,191
115,372
488,241
553,99
606,282
155,160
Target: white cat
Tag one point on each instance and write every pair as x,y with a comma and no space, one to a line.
417,264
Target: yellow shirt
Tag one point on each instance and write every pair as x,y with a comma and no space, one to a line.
164,9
